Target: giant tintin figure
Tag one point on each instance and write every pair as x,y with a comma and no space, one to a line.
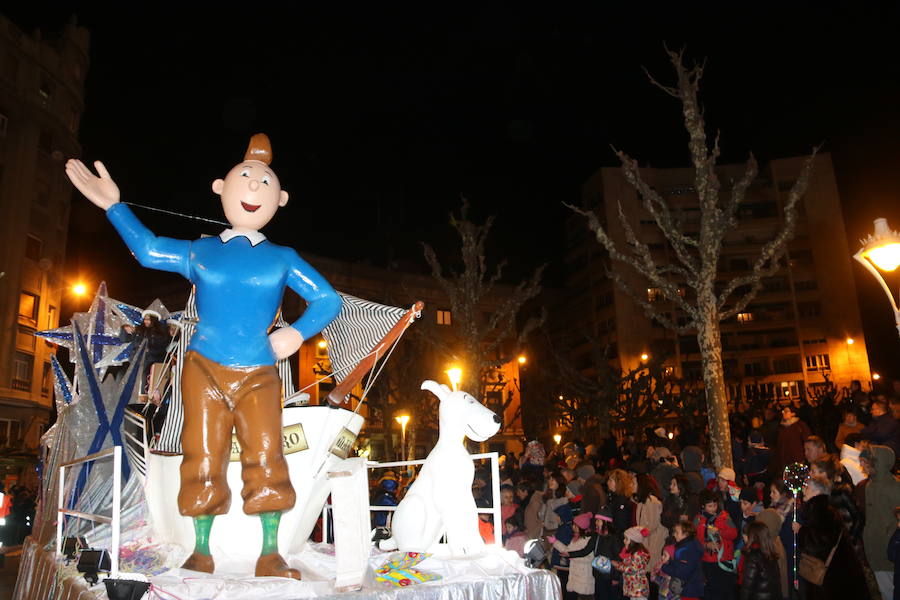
229,380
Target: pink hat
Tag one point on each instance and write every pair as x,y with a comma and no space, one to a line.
583,520
637,534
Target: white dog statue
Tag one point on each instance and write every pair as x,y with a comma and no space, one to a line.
440,499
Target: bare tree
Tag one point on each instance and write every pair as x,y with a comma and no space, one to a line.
481,342
698,255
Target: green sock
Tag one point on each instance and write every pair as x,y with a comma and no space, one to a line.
202,525
270,521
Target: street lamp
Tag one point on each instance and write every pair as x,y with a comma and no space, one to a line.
522,359
881,250
403,420
455,375
557,438
645,356
79,289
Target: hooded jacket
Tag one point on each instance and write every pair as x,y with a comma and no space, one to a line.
692,461
686,567
882,495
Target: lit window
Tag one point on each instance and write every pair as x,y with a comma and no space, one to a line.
322,349
443,317
817,362
744,317
28,305
654,294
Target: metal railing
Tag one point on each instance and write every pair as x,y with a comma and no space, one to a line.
495,512
113,520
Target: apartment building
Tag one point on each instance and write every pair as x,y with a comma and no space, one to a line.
803,328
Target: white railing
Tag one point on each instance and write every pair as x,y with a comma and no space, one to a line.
495,512
113,520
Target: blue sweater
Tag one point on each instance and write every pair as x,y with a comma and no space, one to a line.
687,567
239,288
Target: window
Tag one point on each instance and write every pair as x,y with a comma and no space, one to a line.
25,339
28,305
23,364
817,362
813,342
754,369
790,389
443,317
46,379
786,364
51,317
654,295
33,248
744,317
809,309
10,432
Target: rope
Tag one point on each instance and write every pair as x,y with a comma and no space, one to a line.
177,214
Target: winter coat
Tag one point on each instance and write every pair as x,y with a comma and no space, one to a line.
727,534
647,516
600,545
622,513
821,531
884,431
549,518
756,467
774,522
882,495
663,473
841,499
760,579
845,430
692,462
675,506
532,520
686,566
634,575
581,579
790,445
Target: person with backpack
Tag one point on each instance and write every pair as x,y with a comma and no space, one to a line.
717,532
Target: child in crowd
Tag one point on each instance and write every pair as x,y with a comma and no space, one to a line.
581,580
685,566
718,533
634,563
514,538
604,544
758,574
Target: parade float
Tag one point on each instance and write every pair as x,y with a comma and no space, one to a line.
115,516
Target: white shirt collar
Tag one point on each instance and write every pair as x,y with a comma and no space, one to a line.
255,237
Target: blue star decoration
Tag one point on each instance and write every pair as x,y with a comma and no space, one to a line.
96,420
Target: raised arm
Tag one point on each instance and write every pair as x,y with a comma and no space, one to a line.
164,254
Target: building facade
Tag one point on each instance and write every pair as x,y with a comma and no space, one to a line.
382,434
802,330
41,102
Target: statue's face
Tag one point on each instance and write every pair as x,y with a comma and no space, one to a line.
251,193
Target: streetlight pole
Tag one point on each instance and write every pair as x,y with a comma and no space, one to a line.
882,250
403,420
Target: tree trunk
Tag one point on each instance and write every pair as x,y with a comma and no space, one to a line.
709,338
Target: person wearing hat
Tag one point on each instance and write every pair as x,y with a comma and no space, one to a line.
686,563
663,467
634,564
731,493
581,579
603,543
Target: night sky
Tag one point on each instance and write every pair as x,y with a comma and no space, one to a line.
381,117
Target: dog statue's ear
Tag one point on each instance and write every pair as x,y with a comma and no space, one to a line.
439,390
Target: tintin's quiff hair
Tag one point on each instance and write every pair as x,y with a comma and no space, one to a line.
259,149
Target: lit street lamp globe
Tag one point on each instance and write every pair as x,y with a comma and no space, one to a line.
881,252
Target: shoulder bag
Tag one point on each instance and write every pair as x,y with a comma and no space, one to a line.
813,569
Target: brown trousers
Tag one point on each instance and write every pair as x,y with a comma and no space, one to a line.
218,399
